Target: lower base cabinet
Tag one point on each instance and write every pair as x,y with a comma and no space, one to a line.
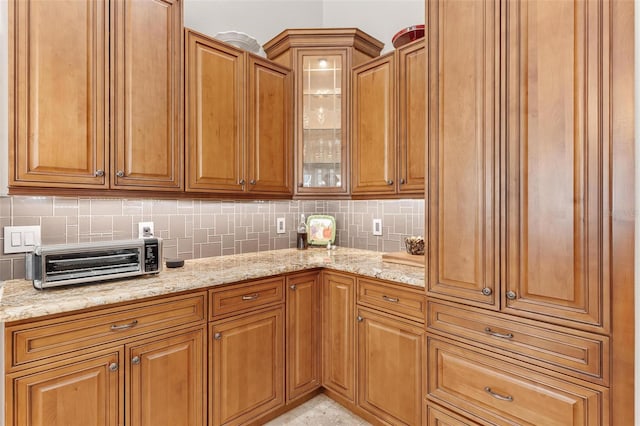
390,359
77,392
164,386
166,380
436,416
246,362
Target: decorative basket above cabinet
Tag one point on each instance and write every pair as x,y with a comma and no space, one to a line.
321,60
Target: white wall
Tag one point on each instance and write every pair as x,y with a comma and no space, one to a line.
380,19
264,19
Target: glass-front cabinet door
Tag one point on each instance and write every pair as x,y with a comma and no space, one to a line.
321,149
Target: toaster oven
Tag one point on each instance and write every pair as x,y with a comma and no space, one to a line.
66,264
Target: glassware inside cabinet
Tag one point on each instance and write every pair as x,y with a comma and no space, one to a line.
322,121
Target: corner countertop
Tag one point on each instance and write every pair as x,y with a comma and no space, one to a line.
20,301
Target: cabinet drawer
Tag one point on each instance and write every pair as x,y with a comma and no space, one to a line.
583,356
244,297
42,339
500,393
437,416
392,298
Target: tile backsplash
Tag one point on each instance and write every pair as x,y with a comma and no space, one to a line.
202,228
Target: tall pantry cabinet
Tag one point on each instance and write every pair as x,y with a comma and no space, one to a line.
96,94
522,159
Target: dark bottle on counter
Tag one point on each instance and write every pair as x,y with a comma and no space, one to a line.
302,243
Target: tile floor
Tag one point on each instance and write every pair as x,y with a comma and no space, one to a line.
318,411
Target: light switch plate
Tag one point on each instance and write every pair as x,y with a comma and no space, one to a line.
21,239
145,229
377,227
280,225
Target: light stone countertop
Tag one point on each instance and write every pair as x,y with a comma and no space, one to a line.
19,300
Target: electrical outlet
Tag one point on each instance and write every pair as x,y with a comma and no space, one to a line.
21,239
280,226
377,226
145,229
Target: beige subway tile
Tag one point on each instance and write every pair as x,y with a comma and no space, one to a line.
18,268
207,221
63,206
248,246
101,225
5,206
228,251
72,234
105,207
185,245
84,206
228,241
210,207
6,272
222,224
26,220
170,252
160,223
53,230
165,207
240,233
200,236
32,206
177,226
123,228
132,207
210,249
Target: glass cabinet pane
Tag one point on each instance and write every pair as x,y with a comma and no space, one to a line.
322,121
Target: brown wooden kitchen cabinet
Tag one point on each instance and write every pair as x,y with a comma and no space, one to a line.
520,185
246,363
75,392
166,380
96,94
141,364
338,334
303,334
389,124
321,59
390,373
239,120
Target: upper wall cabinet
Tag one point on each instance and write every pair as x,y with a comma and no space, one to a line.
96,94
321,60
389,124
520,186
239,120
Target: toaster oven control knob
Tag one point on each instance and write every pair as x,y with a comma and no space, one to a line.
99,173
135,360
113,366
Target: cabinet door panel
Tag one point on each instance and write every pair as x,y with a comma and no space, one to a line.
390,359
247,367
303,335
148,94
412,113
58,92
165,384
338,334
270,144
80,393
463,151
557,160
373,136
214,114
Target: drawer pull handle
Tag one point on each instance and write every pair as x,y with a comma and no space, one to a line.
507,398
391,299
251,296
496,334
124,326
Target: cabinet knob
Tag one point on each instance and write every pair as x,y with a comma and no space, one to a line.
135,360
99,173
293,287
359,318
242,181
487,291
113,366
120,173
217,336
511,295
389,182
300,184
402,181
252,181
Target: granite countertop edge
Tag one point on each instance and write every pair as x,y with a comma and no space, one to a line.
20,301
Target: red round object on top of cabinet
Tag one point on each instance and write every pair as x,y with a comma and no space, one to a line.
408,35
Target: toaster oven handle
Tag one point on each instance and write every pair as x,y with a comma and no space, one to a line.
124,326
